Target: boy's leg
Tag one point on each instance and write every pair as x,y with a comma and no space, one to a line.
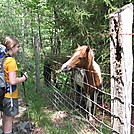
7,123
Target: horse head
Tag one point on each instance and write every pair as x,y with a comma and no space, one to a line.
82,58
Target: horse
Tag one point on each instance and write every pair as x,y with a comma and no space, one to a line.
83,58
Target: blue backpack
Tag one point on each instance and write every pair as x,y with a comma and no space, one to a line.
4,87
2,77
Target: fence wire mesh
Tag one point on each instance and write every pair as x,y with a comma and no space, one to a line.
67,96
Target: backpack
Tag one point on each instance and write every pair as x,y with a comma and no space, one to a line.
3,86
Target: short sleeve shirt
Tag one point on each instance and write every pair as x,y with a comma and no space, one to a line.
9,66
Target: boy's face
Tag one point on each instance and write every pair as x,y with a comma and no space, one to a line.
15,49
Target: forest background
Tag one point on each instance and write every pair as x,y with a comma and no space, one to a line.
60,25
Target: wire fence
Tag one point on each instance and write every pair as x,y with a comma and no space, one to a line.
67,96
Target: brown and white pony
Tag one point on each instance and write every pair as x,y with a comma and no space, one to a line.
83,58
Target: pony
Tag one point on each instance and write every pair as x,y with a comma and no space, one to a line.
83,58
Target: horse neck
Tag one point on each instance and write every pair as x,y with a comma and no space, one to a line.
89,83
93,74
89,74
89,79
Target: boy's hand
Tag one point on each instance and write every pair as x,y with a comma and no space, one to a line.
24,74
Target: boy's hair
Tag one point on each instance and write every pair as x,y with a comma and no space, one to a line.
10,42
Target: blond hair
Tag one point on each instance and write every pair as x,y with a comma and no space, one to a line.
10,42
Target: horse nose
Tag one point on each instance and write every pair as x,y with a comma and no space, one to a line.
64,68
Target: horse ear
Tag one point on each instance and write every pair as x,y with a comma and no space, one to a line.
88,49
78,45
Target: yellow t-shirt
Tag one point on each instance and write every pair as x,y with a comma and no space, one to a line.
9,66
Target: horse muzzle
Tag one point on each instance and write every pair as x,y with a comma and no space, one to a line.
65,68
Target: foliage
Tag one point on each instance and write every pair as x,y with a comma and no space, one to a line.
54,19
60,26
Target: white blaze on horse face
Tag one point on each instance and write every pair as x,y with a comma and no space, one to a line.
70,60
64,65
76,54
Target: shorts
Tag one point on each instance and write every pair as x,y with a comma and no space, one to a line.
7,109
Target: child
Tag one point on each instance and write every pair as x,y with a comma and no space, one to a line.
10,102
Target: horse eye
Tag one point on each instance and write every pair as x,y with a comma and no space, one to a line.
79,58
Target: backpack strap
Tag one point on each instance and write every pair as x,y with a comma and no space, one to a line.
11,96
1,64
12,86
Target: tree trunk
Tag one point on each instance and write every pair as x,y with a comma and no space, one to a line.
37,61
56,38
23,32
